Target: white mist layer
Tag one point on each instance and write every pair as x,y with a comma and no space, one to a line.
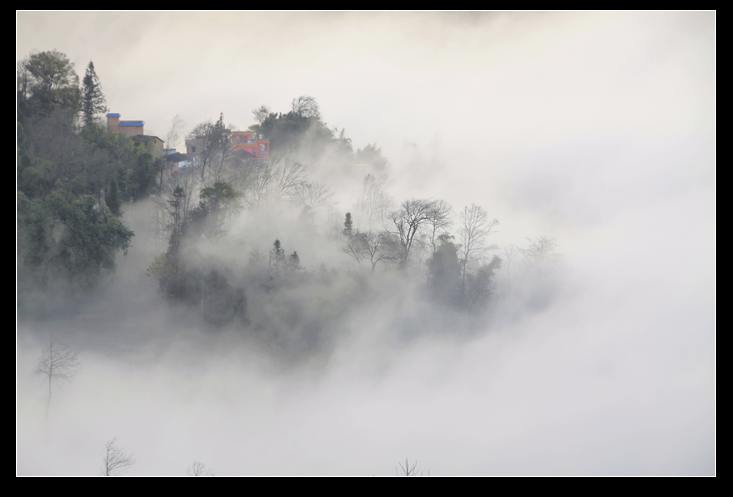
597,129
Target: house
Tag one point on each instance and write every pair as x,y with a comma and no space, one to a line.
136,131
246,143
249,143
152,144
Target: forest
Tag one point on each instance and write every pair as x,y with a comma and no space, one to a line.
76,180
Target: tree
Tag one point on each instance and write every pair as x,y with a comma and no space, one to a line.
372,155
115,459
375,203
444,272
438,220
212,146
408,469
478,287
57,363
539,250
306,107
374,247
294,261
261,113
174,132
216,203
348,226
47,83
113,198
408,220
93,102
277,255
475,227
219,143
199,469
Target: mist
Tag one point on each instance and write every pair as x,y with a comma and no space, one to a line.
593,129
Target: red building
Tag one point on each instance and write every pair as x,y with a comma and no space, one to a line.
249,143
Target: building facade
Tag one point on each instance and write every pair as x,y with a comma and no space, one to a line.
247,143
135,130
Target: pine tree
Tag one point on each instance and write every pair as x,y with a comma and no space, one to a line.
348,225
294,261
277,256
93,101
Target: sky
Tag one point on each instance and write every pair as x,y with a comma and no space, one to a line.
595,128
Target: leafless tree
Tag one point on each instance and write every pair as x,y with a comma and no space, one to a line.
412,215
312,195
539,249
199,469
115,459
289,177
174,133
306,106
374,203
475,227
57,363
283,178
407,469
372,247
438,220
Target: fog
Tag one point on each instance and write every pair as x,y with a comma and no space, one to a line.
596,129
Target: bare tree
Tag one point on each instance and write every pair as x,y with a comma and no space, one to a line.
289,177
115,459
57,363
199,469
373,247
539,250
306,106
312,195
174,132
407,469
412,215
475,227
374,203
438,220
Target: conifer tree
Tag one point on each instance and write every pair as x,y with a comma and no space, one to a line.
348,225
92,99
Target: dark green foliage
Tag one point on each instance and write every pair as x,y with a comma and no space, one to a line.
444,272
221,303
445,283
68,236
294,261
47,84
93,102
216,202
479,285
301,134
71,182
372,155
277,255
113,198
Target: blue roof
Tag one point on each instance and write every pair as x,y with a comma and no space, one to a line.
131,123
113,114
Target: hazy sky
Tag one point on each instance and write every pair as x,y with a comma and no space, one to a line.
595,128
587,102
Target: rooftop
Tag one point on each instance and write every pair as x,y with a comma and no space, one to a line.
147,138
132,123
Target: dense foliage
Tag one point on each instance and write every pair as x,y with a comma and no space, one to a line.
72,179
